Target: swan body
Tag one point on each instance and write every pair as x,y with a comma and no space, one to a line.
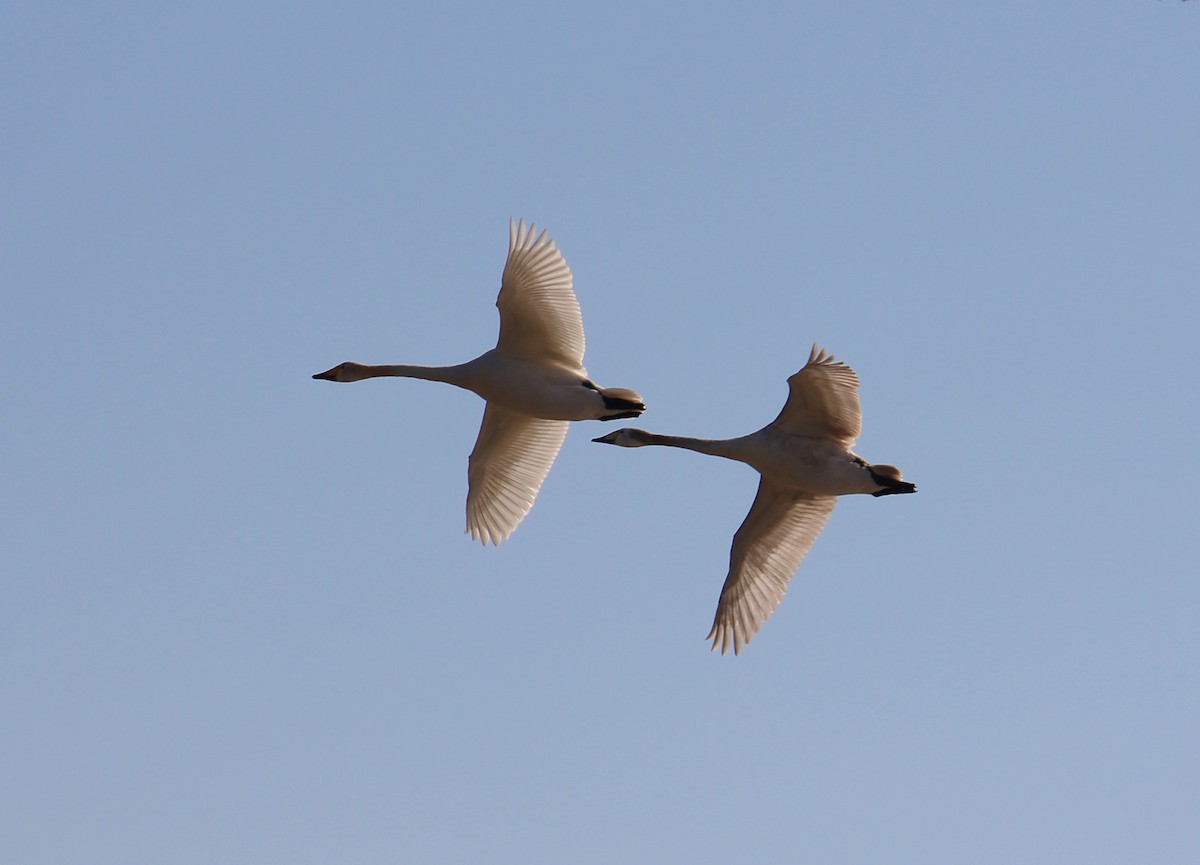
805,461
533,381
533,389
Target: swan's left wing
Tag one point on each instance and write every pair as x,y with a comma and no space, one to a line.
510,460
823,401
768,548
539,314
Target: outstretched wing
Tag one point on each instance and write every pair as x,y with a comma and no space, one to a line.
510,460
823,401
768,548
539,315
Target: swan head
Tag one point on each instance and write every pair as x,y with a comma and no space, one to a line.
890,480
348,371
625,438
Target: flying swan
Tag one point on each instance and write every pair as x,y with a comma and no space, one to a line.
805,461
533,381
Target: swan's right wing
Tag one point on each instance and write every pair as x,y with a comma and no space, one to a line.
822,401
768,548
511,458
539,314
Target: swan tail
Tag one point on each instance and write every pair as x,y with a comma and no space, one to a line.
888,477
621,402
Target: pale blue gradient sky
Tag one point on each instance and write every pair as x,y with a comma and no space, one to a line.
241,623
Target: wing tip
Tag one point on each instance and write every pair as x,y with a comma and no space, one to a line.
482,535
822,357
517,233
525,237
726,636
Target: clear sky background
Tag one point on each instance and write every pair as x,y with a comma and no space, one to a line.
241,622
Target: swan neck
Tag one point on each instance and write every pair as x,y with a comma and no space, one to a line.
448,374
712,447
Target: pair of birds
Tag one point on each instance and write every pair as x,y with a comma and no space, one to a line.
534,384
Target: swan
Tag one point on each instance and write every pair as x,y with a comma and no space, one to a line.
805,463
533,381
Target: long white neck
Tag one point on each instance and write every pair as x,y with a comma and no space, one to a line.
727,448
456,375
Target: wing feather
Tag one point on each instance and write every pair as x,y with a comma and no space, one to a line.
539,313
511,458
773,540
823,401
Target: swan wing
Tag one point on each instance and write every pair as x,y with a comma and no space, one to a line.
539,314
510,460
823,401
768,548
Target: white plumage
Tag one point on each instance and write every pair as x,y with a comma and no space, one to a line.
805,463
533,381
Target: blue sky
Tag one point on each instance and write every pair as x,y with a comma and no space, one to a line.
241,622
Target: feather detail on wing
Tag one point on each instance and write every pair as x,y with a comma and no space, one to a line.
823,401
539,314
768,548
511,458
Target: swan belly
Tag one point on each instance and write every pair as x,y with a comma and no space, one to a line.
537,390
813,466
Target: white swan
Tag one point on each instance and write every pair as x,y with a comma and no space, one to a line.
533,381
805,461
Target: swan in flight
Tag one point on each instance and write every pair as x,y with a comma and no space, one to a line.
533,381
805,461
